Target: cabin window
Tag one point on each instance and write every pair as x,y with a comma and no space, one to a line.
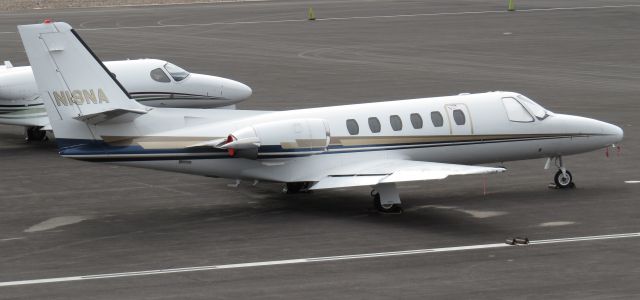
436,119
159,75
416,121
176,72
458,117
374,125
352,127
515,111
396,122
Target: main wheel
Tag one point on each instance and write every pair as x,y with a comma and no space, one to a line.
563,180
385,208
35,134
295,187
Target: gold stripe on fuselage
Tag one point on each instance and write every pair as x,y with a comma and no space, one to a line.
172,142
394,140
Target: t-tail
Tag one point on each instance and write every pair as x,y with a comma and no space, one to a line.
77,89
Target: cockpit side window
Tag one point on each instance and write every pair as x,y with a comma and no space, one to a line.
515,111
176,72
159,75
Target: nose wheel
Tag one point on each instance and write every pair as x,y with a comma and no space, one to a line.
564,179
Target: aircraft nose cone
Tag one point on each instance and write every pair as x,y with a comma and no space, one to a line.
615,132
236,91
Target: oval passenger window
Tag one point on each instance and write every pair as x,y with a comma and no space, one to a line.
374,125
352,127
416,120
396,122
458,117
436,119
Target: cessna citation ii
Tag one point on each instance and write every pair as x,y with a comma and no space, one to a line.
152,82
373,144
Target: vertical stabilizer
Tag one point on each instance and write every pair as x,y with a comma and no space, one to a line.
77,89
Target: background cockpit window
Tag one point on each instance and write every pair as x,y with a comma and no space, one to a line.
176,72
159,75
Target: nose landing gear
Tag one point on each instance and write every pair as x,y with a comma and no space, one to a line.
563,178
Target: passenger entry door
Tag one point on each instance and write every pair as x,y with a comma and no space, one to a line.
459,119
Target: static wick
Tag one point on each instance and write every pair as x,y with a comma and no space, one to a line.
484,185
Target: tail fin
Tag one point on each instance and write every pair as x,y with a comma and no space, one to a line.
77,89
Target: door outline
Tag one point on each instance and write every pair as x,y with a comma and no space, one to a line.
468,125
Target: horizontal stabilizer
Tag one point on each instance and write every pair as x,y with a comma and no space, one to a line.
391,171
119,114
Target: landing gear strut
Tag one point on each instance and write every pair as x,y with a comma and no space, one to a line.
386,198
35,134
563,178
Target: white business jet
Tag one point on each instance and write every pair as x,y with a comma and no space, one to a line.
152,82
374,144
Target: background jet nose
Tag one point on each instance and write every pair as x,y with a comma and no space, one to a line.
233,90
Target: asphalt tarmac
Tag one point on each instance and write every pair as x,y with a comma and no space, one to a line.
581,57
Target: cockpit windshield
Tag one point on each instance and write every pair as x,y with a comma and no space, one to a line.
176,72
540,112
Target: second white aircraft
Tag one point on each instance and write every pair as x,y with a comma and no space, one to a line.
152,82
373,144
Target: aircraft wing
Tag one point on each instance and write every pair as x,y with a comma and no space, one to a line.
389,171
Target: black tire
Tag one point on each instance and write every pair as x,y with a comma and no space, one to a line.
385,208
295,187
34,134
562,181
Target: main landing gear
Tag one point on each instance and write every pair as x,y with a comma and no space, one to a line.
296,187
35,134
386,198
563,178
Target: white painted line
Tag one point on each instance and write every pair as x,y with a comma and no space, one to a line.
632,181
353,18
11,239
169,4
309,260
56,222
586,238
556,223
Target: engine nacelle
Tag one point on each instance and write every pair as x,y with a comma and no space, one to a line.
302,136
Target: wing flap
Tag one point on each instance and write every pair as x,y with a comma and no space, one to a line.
332,182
